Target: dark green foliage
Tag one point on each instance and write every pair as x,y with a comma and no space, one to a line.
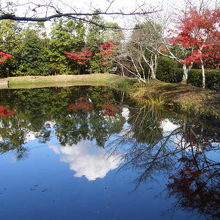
32,57
212,78
36,51
168,71
94,36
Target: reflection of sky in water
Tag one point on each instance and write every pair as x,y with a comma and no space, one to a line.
46,179
125,113
87,159
168,126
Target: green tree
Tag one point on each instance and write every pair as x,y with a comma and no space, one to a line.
66,35
33,54
94,39
10,39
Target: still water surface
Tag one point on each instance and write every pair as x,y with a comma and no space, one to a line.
91,153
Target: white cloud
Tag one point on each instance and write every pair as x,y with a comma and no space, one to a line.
87,159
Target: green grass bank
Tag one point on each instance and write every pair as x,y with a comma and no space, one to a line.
110,80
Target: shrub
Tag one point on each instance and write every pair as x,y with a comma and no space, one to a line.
212,78
168,70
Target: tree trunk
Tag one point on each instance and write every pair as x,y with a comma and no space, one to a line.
153,74
203,75
185,73
154,67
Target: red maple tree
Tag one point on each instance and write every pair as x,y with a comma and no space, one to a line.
4,56
106,51
108,107
199,33
81,57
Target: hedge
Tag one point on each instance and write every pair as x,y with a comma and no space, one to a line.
212,78
169,71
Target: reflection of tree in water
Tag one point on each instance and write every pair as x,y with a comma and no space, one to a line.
12,136
85,120
37,109
196,184
196,181
147,146
185,152
152,144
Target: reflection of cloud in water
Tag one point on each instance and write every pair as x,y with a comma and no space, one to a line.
30,136
168,126
88,160
125,113
178,139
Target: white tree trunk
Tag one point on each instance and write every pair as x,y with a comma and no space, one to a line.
185,73
153,74
203,75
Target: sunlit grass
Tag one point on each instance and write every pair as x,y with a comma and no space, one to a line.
111,80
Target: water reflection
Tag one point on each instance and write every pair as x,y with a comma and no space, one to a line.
87,159
99,132
186,152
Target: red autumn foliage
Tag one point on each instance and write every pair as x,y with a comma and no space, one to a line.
106,51
197,188
107,48
81,104
199,31
81,57
4,112
4,56
196,56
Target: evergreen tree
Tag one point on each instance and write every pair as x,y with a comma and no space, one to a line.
66,35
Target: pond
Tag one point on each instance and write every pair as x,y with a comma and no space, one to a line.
92,153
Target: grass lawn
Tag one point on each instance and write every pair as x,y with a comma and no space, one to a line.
110,80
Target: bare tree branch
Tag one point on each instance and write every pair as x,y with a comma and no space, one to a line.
59,15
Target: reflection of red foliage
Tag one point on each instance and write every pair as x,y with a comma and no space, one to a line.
81,57
4,112
109,109
106,95
4,56
82,104
188,182
197,188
